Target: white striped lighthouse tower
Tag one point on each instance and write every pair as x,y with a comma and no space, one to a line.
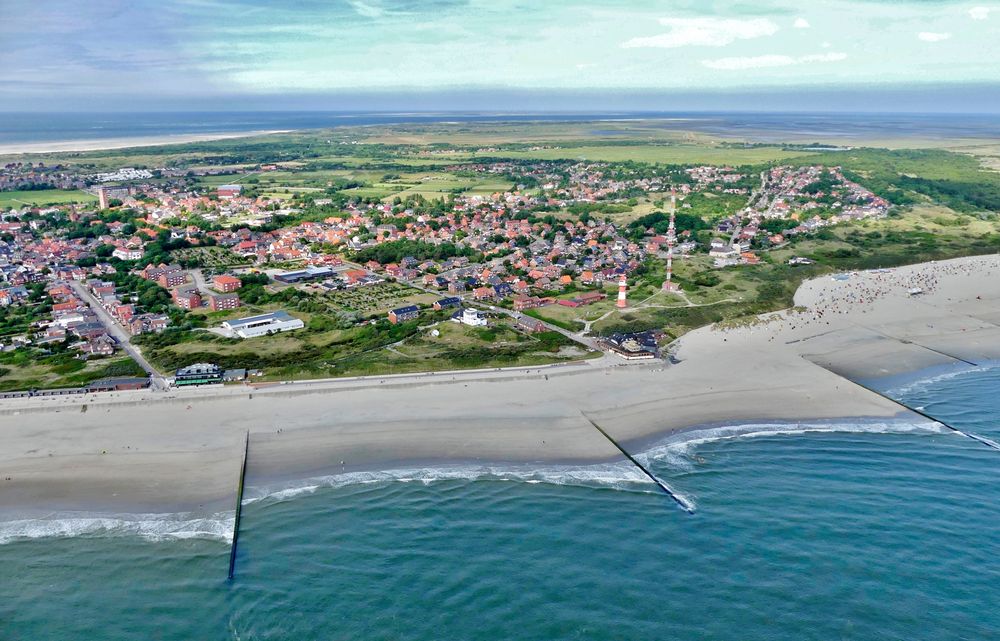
622,288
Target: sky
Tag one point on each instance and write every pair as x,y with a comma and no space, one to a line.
499,54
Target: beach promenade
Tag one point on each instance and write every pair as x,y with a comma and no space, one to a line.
181,451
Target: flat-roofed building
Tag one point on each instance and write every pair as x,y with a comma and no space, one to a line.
126,253
198,374
263,324
304,275
472,318
118,384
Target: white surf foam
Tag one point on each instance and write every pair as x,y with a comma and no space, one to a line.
617,476
166,527
151,527
676,451
679,450
921,385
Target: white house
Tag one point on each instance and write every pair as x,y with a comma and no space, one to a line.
472,318
124,253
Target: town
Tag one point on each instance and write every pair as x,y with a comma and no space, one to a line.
569,250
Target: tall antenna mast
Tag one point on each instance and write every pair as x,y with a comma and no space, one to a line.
669,285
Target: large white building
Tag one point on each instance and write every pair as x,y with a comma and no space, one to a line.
472,318
263,324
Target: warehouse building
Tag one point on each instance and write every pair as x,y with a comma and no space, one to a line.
263,324
306,275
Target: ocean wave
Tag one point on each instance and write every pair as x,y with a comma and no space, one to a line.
169,527
678,450
922,385
617,476
151,527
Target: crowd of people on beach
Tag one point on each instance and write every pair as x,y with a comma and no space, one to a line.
862,290
858,292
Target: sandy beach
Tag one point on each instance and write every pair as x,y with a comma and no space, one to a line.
100,144
181,450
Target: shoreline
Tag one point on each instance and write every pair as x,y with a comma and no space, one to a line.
614,474
885,384
105,144
102,455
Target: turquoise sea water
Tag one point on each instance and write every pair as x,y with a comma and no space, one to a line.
886,532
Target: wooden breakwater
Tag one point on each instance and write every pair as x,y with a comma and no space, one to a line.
239,507
680,500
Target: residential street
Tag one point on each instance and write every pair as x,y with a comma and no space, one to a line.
157,382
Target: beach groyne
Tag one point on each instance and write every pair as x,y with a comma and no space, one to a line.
664,487
240,489
137,449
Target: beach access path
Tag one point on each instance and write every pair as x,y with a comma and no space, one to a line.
181,450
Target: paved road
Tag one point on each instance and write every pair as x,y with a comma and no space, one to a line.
157,382
199,279
583,340
578,338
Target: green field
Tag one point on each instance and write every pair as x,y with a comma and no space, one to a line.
28,368
382,184
653,153
364,349
213,257
43,197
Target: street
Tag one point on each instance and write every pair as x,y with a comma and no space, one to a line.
157,382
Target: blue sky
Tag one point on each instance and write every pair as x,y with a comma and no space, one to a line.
504,54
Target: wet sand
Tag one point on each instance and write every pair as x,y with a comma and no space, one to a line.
181,451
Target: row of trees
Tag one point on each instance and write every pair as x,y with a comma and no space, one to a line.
396,250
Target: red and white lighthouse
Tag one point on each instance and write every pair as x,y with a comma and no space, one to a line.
622,289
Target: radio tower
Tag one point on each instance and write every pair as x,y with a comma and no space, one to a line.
669,285
622,287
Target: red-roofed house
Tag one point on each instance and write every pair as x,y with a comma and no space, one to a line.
226,283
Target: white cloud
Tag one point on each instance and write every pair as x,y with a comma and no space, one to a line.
760,62
801,23
930,36
753,62
822,57
980,13
705,32
367,10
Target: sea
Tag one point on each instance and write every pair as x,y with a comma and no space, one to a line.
41,127
857,530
